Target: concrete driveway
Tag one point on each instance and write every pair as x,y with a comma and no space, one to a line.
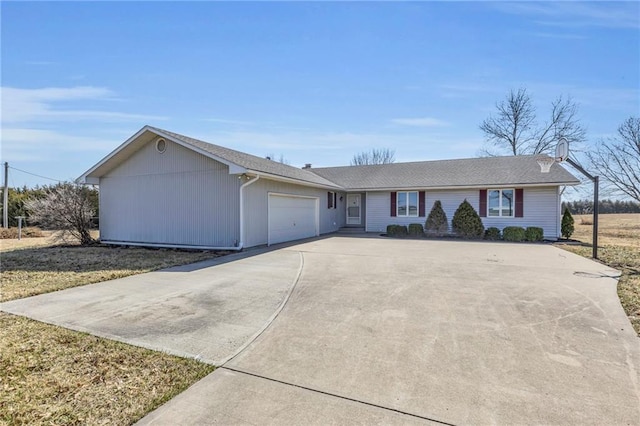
380,331
400,332
207,310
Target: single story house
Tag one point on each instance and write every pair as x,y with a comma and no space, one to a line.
163,189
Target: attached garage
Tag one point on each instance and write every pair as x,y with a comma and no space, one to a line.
292,217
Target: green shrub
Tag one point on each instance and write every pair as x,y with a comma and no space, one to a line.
492,233
513,233
436,223
567,228
466,222
533,233
397,230
416,229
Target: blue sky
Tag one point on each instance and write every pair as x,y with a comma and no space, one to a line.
313,82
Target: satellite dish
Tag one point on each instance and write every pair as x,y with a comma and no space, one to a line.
562,150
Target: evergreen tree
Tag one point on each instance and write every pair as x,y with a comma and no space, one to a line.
466,222
436,223
567,227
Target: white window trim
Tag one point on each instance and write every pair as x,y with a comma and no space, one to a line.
398,204
513,209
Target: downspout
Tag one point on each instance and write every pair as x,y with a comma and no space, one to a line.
242,232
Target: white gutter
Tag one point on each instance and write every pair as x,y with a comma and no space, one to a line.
244,185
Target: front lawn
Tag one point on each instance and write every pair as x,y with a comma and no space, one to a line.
54,376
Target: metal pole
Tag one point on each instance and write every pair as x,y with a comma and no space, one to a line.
596,209
596,184
5,198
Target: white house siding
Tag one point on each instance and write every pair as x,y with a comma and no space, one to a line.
540,209
379,207
177,198
256,208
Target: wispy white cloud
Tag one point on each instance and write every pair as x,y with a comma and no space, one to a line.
577,14
230,122
26,144
37,105
557,35
420,122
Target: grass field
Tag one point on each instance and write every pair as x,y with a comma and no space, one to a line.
618,247
51,375
34,266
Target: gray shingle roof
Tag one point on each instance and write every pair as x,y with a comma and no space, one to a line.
250,162
471,172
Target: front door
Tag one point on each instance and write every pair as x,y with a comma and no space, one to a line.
353,209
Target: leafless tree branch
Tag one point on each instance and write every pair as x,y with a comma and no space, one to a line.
375,156
617,159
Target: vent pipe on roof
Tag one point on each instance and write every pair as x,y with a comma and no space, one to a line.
307,166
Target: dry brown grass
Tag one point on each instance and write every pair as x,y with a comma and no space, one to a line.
27,232
618,247
50,375
49,238
36,270
53,376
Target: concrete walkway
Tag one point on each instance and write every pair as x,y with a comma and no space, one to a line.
207,310
404,331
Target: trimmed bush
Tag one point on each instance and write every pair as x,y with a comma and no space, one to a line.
492,233
466,222
397,230
567,228
533,233
513,233
416,229
436,223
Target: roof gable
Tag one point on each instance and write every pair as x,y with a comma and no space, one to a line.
238,162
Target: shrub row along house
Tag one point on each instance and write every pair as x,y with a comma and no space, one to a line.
163,189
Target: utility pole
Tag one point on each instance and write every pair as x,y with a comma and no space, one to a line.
5,197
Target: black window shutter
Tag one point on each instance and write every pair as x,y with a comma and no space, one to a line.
483,203
519,202
421,204
394,196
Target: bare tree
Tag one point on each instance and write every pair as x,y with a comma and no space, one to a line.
374,156
514,129
511,128
617,159
280,159
563,123
65,207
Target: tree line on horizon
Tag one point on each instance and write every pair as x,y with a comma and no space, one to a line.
604,206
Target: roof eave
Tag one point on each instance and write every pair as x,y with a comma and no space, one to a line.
271,176
480,186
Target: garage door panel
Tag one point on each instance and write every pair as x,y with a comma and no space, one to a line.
292,218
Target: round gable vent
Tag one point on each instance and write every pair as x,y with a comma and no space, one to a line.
161,145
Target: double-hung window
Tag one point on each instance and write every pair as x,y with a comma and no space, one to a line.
501,203
407,204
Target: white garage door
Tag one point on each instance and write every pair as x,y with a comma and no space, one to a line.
292,218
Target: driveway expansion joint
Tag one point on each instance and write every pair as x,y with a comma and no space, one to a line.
271,319
346,398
